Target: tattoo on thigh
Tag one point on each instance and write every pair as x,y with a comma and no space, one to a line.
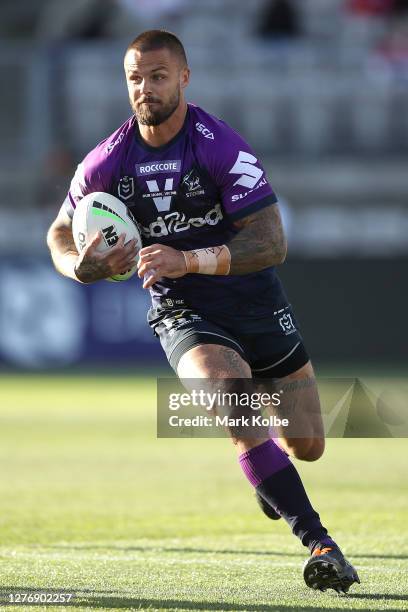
232,358
297,385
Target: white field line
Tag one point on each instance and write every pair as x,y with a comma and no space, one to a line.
164,559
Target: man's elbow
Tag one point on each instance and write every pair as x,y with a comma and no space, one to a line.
283,252
278,255
50,236
57,231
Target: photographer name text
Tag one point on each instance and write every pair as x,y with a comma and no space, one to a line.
226,421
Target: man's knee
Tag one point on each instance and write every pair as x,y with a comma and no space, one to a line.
306,449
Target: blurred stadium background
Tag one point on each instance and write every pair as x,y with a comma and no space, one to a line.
320,90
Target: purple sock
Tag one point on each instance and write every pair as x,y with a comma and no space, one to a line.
275,478
262,461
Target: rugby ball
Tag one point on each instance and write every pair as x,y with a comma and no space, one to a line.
103,212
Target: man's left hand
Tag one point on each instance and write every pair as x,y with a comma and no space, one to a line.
158,260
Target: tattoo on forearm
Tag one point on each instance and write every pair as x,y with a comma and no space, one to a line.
260,242
92,270
61,245
63,241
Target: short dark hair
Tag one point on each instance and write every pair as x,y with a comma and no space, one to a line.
152,40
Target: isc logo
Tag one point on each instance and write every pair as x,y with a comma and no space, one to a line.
110,235
204,131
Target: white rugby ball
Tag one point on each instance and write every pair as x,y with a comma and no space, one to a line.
102,212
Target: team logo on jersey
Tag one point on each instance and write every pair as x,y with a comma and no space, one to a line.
126,187
286,323
200,127
158,167
245,167
162,199
192,184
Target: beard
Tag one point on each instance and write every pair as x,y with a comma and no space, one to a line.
146,115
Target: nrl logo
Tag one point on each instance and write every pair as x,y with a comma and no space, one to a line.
126,187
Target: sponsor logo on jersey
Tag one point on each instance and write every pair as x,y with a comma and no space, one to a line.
162,199
126,187
192,184
200,127
178,222
241,196
158,167
249,173
112,145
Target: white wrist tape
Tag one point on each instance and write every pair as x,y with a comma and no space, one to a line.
212,260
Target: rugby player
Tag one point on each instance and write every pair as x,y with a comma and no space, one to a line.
213,236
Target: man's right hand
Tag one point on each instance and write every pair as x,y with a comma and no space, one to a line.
92,265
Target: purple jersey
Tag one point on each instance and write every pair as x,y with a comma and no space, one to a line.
187,194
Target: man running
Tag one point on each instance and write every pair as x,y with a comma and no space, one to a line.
213,236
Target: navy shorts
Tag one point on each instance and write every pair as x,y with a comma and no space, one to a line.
272,346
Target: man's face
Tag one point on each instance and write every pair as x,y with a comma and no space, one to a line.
155,81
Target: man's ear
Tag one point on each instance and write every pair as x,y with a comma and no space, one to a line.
184,77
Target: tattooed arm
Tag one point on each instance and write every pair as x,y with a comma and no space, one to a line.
90,265
260,243
61,244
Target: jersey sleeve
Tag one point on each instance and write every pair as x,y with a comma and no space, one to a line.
91,175
240,176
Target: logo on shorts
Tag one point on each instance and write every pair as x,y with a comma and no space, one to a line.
286,323
180,319
171,302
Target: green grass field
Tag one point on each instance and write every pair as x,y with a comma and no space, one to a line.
91,502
